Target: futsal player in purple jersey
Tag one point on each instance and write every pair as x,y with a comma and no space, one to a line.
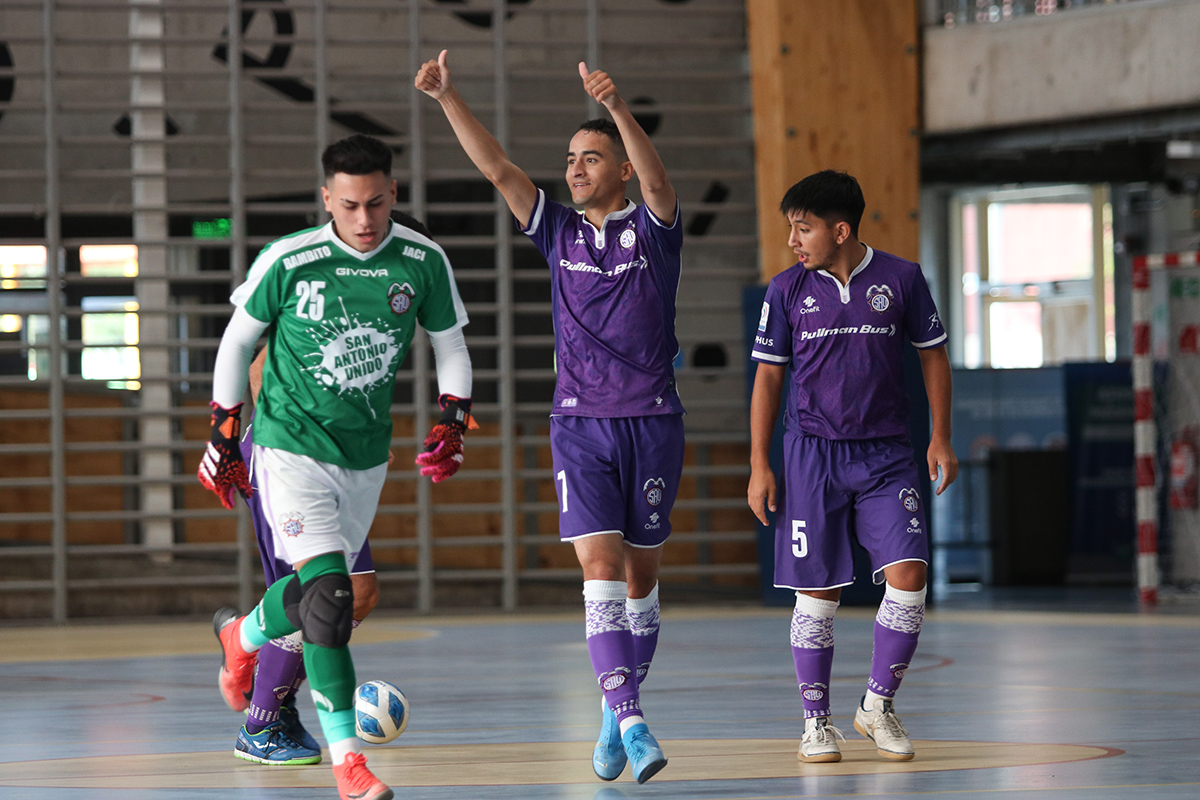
273,733
840,319
616,429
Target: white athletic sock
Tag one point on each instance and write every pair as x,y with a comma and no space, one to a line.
339,750
629,722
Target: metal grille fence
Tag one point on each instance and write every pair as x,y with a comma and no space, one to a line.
128,122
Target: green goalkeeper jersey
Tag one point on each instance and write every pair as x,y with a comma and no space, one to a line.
341,323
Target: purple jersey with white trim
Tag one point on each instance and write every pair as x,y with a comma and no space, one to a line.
845,344
614,308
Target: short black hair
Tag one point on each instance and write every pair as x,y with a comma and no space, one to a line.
357,155
609,129
831,195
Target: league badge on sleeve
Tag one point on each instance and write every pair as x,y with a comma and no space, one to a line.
762,320
880,297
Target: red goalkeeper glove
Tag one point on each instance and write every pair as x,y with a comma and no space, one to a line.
444,445
222,470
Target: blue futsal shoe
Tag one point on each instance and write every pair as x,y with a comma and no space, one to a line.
608,759
290,718
645,756
273,747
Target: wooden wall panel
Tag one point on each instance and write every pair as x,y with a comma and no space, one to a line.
836,86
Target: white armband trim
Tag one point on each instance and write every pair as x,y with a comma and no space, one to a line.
760,356
453,362
930,343
231,371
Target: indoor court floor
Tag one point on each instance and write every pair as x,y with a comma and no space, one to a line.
1092,704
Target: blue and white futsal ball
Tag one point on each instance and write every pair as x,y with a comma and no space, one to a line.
380,712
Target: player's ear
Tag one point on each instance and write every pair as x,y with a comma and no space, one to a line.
626,170
841,230
392,191
328,200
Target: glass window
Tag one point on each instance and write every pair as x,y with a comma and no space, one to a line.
110,335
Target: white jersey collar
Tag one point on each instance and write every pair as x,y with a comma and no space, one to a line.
844,291
598,234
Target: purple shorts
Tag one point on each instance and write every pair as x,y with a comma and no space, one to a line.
275,568
833,490
617,475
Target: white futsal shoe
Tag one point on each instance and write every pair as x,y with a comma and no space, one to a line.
819,743
883,727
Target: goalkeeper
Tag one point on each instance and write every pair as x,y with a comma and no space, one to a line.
341,303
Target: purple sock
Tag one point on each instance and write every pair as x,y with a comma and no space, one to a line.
610,645
643,623
812,652
278,663
897,627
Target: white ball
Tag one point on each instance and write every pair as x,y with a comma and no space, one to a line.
380,712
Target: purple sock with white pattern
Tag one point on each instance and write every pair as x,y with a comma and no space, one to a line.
279,661
812,651
610,645
897,627
643,623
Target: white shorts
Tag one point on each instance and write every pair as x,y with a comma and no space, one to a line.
314,507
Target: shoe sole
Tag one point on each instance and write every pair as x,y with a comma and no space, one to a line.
296,762
651,770
890,756
824,758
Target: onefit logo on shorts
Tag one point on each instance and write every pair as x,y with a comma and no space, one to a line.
653,524
615,679
813,692
291,523
880,297
910,499
914,525
653,489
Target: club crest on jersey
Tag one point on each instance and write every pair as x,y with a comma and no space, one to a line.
813,692
291,523
400,297
628,238
762,320
910,500
653,489
614,680
880,297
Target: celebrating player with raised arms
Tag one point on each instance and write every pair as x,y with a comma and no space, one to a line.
840,319
341,303
616,429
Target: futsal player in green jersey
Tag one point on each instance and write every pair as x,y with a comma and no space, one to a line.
339,304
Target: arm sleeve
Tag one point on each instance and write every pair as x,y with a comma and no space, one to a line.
230,373
453,362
